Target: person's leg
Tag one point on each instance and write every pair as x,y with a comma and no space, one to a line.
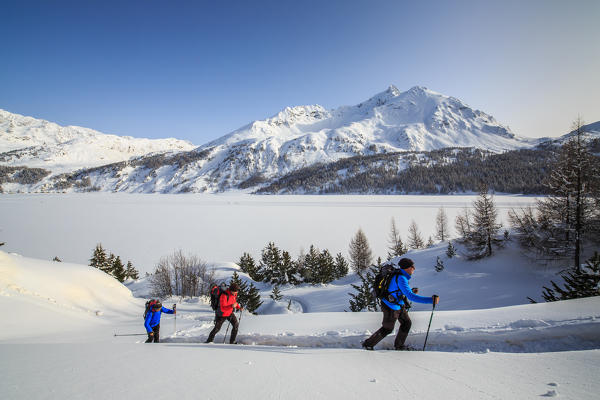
387,326
218,323
234,327
156,331
405,324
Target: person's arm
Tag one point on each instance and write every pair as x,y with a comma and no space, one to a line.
407,291
166,310
147,322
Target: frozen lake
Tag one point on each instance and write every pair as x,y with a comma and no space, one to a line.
218,228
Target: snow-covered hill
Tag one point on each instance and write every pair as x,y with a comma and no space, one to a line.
416,120
36,143
58,342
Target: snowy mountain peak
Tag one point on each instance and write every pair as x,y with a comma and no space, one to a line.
419,90
291,115
393,90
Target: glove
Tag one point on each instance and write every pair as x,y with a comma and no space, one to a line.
436,299
151,333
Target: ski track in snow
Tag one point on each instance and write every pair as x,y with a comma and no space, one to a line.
522,336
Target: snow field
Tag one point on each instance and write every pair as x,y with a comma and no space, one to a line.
218,228
59,319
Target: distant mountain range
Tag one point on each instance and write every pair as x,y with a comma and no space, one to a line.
401,127
26,141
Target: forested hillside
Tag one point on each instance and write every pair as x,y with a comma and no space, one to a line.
444,171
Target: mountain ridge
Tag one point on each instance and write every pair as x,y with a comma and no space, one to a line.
417,120
32,142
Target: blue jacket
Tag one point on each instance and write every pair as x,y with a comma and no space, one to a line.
153,318
398,287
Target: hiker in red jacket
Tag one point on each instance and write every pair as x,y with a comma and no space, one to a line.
227,302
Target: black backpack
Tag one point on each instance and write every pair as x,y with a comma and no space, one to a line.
215,295
149,304
382,282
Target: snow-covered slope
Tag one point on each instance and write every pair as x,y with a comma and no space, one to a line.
47,297
31,142
53,347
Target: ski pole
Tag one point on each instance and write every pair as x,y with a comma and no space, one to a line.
175,312
132,334
430,318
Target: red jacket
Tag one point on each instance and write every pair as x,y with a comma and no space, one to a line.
227,302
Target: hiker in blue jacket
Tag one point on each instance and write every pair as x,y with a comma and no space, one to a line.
395,307
152,321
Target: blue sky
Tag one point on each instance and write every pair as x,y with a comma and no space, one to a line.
197,70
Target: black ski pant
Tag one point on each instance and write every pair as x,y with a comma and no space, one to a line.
154,338
219,322
389,320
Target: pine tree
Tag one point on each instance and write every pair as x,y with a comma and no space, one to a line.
364,299
430,242
242,297
289,268
572,211
118,270
248,265
326,267
56,259
276,293
98,259
451,250
270,265
415,241
439,265
441,223
396,247
341,266
109,265
578,282
311,266
485,225
360,252
253,299
131,272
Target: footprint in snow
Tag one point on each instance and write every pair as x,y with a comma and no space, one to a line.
551,393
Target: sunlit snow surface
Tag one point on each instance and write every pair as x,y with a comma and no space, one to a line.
59,319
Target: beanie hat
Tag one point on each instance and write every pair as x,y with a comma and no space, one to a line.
405,263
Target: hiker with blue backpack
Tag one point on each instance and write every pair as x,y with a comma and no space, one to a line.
391,285
154,309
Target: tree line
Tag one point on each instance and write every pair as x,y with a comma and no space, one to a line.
277,267
112,265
